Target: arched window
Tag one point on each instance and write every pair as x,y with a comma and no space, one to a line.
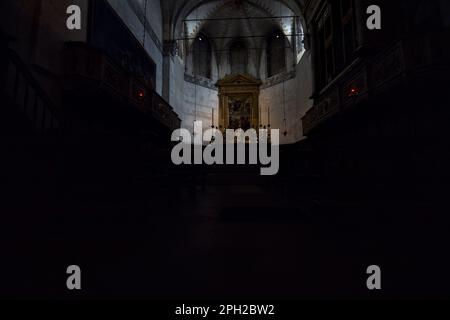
202,57
238,57
276,54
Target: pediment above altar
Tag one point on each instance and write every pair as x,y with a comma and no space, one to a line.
239,80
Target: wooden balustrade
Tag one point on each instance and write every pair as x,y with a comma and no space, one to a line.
88,67
382,73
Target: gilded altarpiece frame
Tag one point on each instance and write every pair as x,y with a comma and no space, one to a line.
239,102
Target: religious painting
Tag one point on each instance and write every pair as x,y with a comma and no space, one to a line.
240,112
238,102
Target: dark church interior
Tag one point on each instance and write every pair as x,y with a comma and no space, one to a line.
87,116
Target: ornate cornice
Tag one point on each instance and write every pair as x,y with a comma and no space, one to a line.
279,78
200,81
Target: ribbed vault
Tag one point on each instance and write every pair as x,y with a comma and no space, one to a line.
177,11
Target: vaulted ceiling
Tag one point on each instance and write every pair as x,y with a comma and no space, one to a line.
176,12
225,31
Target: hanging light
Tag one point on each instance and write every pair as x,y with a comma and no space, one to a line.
284,109
195,90
145,23
195,72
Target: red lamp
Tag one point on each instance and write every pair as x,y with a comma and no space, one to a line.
141,94
353,92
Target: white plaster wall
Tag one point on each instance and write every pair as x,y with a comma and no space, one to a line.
298,92
207,100
176,94
154,16
184,94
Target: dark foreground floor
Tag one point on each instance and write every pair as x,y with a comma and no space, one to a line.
219,233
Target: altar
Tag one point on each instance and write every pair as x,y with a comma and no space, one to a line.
239,102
